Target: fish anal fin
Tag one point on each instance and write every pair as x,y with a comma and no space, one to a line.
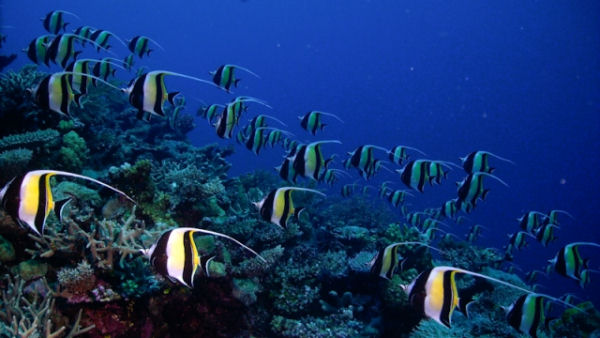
59,206
297,213
463,305
171,97
77,98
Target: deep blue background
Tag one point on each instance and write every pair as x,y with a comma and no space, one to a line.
518,78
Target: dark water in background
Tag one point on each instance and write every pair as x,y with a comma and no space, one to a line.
520,79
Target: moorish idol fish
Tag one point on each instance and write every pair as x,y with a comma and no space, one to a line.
104,68
362,159
231,114
398,153
28,198
329,176
128,62
257,139
477,161
398,197
224,76
38,49
139,45
449,208
474,233
55,93
429,223
80,83
470,189
532,275
435,295
437,172
309,161
277,207
61,49
84,32
175,255
290,145
517,240
384,264
552,216
100,37
347,190
545,234
210,112
286,170
415,174
531,221
568,262
54,21
527,313
147,92
311,121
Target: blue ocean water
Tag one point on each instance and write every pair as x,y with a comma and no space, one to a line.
518,79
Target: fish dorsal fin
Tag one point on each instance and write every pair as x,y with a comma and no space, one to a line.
304,189
166,72
68,174
496,156
90,76
276,119
491,176
227,237
330,114
244,69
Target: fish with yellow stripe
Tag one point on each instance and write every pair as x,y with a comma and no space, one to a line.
175,256
54,21
384,264
309,161
434,293
311,121
55,93
277,207
224,76
28,198
568,262
148,93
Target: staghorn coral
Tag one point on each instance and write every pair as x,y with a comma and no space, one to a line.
26,315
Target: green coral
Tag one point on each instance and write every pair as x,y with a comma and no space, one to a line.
7,250
74,152
14,162
29,139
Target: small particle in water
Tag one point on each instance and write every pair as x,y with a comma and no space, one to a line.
563,181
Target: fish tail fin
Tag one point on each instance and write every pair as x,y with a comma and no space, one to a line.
76,54
297,213
114,71
492,170
64,26
323,126
172,97
149,51
59,206
485,193
235,83
586,263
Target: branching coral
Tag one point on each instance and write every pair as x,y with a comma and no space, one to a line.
25,316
